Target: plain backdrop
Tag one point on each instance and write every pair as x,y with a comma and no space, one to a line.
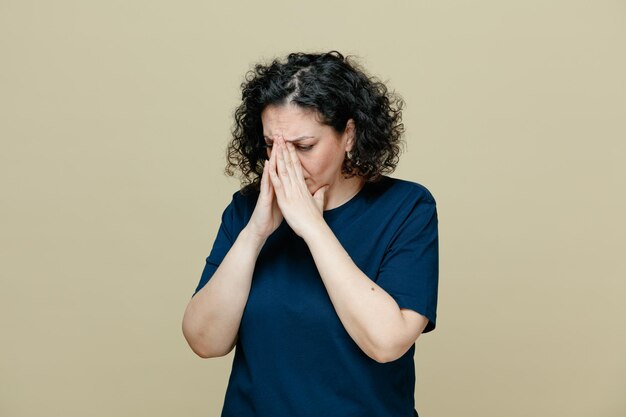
114,119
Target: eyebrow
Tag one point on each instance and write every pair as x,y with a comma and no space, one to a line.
292,140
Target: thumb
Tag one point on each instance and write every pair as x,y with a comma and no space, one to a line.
319,196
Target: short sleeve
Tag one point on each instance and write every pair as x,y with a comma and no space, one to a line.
222,244
409,271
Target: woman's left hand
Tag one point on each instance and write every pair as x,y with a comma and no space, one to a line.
301,210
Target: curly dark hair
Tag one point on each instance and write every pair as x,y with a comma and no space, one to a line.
338,90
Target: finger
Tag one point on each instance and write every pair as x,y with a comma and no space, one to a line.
291,172
275,180
319,197
297,166
270,187
283,174
265,190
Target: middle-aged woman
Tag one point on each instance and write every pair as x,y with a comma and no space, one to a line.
324,271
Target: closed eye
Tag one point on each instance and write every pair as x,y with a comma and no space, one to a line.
303,148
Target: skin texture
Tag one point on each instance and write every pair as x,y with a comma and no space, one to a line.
320,149
301,184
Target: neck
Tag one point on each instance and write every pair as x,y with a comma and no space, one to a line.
341,192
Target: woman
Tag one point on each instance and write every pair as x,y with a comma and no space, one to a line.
324,270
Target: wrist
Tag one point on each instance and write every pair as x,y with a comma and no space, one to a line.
251,238
316,231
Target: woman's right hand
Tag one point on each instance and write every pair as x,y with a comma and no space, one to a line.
266,216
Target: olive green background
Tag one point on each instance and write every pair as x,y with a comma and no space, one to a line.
114,121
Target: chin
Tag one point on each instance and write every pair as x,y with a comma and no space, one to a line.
312,187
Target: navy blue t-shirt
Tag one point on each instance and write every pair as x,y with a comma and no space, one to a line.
293,357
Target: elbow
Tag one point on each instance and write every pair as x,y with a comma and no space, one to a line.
391,352
382,354
385,357
194,336
207,353
192,341
202,354
378,351
396,344
199,345
201,349
195,341
205,340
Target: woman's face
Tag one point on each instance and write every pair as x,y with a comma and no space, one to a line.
320,149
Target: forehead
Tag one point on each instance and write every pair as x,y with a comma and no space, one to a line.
290,121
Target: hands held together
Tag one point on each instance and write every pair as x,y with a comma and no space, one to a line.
284,193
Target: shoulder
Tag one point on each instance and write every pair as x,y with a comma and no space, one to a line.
246,195
245,198
241,206
402,190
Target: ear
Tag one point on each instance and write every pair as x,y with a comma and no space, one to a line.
350,134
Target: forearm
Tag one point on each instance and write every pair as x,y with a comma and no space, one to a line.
369,314
212,317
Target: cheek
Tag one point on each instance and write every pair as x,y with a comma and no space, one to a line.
319,164
308,165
